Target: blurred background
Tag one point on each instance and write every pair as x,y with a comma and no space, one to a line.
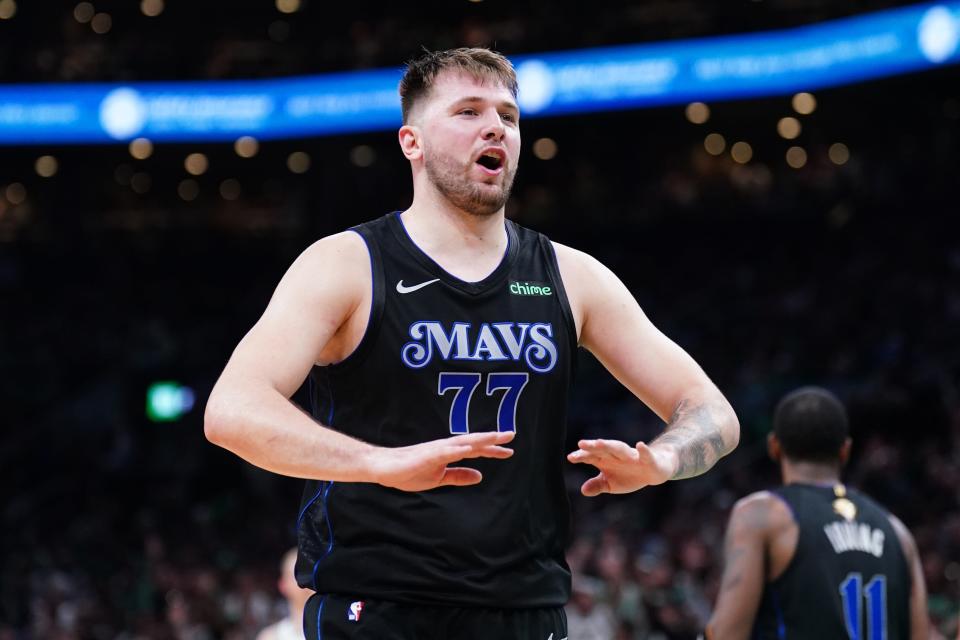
789,235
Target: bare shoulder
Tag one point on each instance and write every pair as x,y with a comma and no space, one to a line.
337,265
586,280
578,264
903,534
345,252
761,510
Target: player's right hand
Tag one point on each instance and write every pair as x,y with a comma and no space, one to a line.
426,466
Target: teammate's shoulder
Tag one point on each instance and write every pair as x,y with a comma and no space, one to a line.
757,500
903,533
762,509
860,496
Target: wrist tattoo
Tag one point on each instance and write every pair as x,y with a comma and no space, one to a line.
695,434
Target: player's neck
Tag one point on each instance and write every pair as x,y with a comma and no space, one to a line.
809,473
433,221
467,245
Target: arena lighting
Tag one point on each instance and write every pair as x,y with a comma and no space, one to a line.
15,193
715,144
230,189
101,23
741,152
188,189
784,62
796,157
545,149
288,6
788,128
363,155
804,103
697,112
196,164
298,162
84,12
141,148
46,166
8,9
246,146
838,153
151,8
168,401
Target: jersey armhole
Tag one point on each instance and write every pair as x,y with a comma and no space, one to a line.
554,270
796,551
377,299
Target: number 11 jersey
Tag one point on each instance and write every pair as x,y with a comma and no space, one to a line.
441,357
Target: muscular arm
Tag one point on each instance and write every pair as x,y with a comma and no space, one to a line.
701,424
744,570
919,620
249,411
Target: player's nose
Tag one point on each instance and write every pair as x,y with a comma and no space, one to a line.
493,128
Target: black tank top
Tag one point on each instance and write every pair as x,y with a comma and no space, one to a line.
441,356
849,577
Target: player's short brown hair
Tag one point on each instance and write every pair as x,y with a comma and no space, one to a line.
483,64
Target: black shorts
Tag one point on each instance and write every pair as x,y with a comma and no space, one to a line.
339,618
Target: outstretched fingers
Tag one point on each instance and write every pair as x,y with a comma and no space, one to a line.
596,451
476,445
460,477
595,486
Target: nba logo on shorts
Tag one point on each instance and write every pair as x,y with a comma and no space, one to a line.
356,608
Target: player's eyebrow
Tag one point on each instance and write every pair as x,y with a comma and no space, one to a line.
504,104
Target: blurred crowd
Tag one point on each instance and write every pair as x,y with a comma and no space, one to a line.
122,528
842,274
106,40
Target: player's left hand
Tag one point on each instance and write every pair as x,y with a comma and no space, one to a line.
623,468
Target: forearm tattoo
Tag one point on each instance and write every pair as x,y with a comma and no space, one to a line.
696,434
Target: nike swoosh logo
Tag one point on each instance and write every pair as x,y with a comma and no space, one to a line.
411,289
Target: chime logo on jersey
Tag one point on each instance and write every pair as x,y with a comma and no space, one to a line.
531,342
356,608
530,289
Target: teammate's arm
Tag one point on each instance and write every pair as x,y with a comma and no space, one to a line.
744,575
249,411
701,425
919,619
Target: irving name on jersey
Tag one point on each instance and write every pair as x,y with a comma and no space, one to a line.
855,536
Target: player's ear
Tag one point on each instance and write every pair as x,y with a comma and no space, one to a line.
773,448
845,451
411,141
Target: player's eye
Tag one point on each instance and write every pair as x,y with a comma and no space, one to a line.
509,117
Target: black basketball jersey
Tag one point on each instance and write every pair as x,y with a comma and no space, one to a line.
849,577
442,356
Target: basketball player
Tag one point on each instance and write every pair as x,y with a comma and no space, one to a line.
291,627
814,559
439,335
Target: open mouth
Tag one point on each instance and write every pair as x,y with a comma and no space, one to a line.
491,161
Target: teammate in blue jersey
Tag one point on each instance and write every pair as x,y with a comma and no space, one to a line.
814,559
432,338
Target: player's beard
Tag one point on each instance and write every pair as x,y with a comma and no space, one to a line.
452,181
